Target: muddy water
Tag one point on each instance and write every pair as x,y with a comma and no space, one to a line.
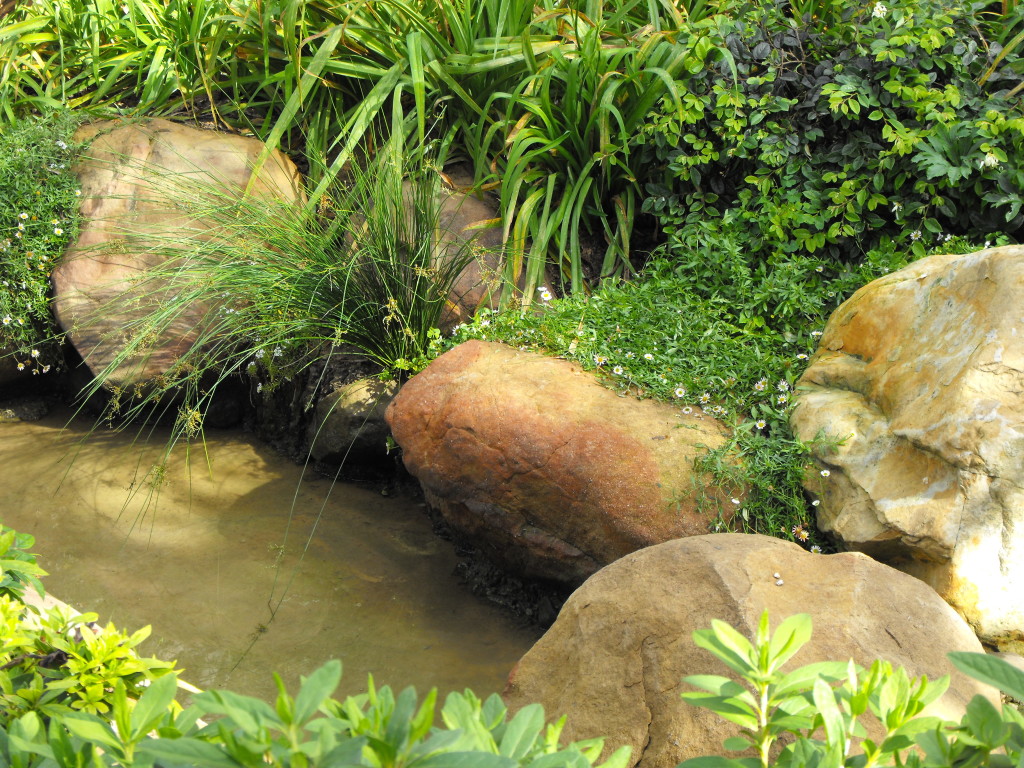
204,557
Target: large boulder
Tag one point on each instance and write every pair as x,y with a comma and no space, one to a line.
920,376
549,473
614,660
131,177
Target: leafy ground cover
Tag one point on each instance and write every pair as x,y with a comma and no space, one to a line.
38,218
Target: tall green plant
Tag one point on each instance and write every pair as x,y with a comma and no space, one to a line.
816,712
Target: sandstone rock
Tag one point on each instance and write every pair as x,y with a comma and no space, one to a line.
125,176
921,373
467,221
349,422
551,474
614,660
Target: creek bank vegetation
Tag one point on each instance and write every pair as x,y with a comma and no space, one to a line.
763,158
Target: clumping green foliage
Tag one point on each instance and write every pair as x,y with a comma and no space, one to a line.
818,711
18,567
816,146
38,218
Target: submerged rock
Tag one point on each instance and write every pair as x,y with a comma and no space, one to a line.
614,660
920,374
23,409
543,469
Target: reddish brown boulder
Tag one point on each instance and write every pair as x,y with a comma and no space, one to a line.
614,660
548,472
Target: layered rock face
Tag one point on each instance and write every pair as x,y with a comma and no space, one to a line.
551,474
920,374
135,180
614,660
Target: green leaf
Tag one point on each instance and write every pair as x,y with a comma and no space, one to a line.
736,744
93,730
825,701
522,731
315,689
992,670
186,751
153,705
790,636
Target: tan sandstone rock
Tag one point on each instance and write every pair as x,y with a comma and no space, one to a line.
349,422
548,472
921,374
614,660
126,176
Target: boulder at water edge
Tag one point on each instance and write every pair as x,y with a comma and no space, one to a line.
549,473
614,660
921,375
136,178
349,422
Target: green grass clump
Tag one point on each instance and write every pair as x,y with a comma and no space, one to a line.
38,218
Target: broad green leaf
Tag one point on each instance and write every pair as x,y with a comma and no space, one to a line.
153,705
790,636
315,689
736,743
728,708
726,653
825,701
93,730
803,678
522,731
992,670
620,758
186,751
716,684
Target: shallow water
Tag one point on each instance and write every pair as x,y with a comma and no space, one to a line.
361,577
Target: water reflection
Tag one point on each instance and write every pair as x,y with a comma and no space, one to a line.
230,587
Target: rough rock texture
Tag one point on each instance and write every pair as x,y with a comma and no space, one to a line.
465,220
349,422
922,373
23,409
126,175
614,660
548,472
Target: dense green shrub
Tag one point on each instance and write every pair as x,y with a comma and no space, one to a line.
810,147
38,217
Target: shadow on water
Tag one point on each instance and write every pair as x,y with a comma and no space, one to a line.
371,585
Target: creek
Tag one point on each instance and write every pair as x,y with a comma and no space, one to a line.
203,556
